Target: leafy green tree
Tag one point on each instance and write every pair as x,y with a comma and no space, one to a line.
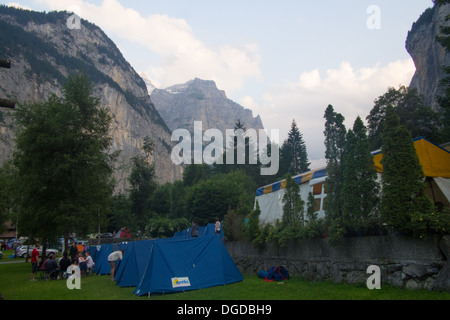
194,173
292,223
293,153
63,166
403,181
293,205
242,143
314,226
360,187
335,133
212,199
161,202
165,227
142,186
8,194
419,119
178,200
253,229
120,211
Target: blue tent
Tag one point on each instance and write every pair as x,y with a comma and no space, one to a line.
102,266
202,231
93,250
101,259
133,264
187,264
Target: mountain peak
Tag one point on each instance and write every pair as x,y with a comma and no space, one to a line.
195,84
148,82
200,100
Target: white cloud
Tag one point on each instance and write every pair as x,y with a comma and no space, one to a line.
182,55
18,5
351,91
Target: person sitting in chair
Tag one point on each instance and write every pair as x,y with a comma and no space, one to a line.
52,267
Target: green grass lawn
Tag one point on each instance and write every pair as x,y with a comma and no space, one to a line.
15,285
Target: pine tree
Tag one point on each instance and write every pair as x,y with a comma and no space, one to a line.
334,142
294,156
293,205
403,183
360,188
253,229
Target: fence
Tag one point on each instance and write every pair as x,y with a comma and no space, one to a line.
404,262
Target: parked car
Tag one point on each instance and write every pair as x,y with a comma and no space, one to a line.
106,235
22,251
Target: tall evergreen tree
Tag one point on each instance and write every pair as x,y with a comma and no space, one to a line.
294,156
334,145
403,181
360,187
293,205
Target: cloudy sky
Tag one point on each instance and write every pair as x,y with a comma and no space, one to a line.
285,60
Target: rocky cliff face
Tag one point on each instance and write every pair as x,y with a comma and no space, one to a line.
201,100
428,54
44,51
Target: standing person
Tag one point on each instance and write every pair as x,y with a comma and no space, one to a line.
112,258
194,229
217,229
34,261
73,251
90,262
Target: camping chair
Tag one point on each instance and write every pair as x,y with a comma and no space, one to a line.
52,274
43,270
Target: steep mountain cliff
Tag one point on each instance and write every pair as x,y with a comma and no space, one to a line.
200,100
45,49
428,54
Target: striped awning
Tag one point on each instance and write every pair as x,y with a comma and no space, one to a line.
435,162
300,179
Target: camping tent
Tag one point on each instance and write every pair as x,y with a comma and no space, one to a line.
202,231
123,233
182,264
435,163
134,262
102,266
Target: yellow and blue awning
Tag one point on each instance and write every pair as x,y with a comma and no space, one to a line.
300,179
435,162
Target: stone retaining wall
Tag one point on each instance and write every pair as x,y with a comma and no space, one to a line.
404,262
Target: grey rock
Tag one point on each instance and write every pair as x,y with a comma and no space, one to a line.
120,89
443,278
201,100
428,54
